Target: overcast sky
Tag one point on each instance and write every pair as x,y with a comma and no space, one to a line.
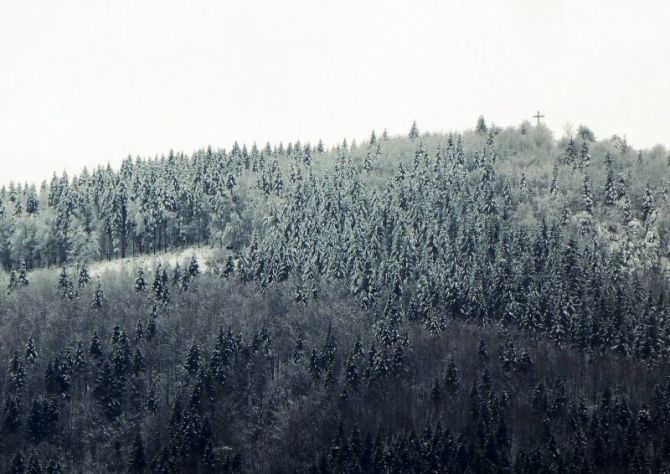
89,82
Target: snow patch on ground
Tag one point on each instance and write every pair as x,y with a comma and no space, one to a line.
150,262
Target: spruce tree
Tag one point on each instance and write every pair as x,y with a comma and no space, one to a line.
23,275
230,267
17,374
481,128
193,363
140,282
610,193
98,296
95,349
138,362
54,466
157,286
30,353
648,206
13,280
65,285
137,462
452,380
413,133
11,415
18,465
34,466
84,276
587,196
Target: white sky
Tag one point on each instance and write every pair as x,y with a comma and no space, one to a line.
89,82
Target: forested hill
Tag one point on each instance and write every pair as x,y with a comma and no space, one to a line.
493,301
220,197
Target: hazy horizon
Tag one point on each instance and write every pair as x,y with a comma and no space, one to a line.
86,85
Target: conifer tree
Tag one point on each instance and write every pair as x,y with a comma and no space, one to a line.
584,156
610,193
481,128
80,361
193,363
165,289
13,280
413,133
17,374
157,286
140,282
648,206
138,362
11,415
452,380
65,285
95,349
230,267
84,276
352,374
54,466
30,353
137,462
34,466
98,296
18,465
23,275
587,196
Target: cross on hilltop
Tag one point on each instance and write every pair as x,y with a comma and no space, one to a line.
538,117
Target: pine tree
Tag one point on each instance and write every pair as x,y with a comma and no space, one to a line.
140,282
648,206
165,289
95,349
54,467
194,267
413,132
626,211
152,403
34,466
138,362
230,267
65,285
23,275
570,155
610,193
482,352
80,362
11,415
13,281
452,380
352,374
151,329
30,353
18,465
137,462
121,358
17,374
84,276
481,128
139,333
109,392
98,296
192,364
587,196
157,286
436,393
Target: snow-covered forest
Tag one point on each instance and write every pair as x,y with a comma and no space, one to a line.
494,300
